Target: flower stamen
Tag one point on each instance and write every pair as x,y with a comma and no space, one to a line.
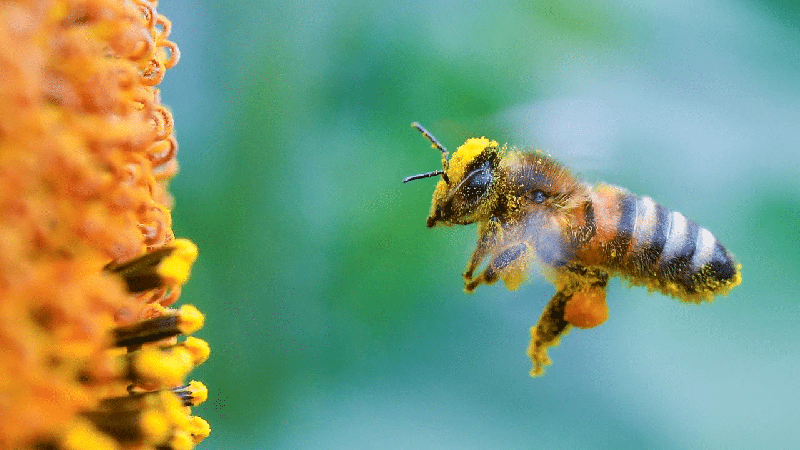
169,265
186,320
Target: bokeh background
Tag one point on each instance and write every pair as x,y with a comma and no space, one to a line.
338,321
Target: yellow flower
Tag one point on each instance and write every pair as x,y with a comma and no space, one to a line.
90,355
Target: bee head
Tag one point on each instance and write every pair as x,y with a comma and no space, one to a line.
463,193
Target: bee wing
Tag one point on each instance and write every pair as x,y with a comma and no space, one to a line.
542,234
545,234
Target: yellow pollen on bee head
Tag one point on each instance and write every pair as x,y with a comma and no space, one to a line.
439,196
465,154
457,165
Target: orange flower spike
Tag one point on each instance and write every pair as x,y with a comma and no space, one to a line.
88,258
587,308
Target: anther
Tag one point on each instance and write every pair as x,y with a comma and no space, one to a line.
192,394
165,266
185,320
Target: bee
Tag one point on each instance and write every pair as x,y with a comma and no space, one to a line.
529,207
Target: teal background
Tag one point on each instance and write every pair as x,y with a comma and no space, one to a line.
338,321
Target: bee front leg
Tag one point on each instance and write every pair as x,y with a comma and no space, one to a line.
510,265
489,234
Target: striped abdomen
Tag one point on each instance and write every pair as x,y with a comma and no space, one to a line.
648,244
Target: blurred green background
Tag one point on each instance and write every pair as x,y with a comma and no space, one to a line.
338,321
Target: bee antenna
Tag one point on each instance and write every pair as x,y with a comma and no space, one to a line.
441,148
430,137
423,175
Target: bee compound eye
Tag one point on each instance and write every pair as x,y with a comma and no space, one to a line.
479,179
475,186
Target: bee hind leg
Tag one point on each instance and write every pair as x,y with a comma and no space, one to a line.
580,302
552,325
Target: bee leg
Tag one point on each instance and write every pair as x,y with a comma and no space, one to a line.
580,301
552,325
502,266
489,234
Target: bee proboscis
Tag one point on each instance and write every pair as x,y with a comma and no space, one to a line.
527,206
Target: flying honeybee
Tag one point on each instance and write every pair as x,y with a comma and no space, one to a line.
527,206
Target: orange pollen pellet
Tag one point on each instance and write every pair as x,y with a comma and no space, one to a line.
587,308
